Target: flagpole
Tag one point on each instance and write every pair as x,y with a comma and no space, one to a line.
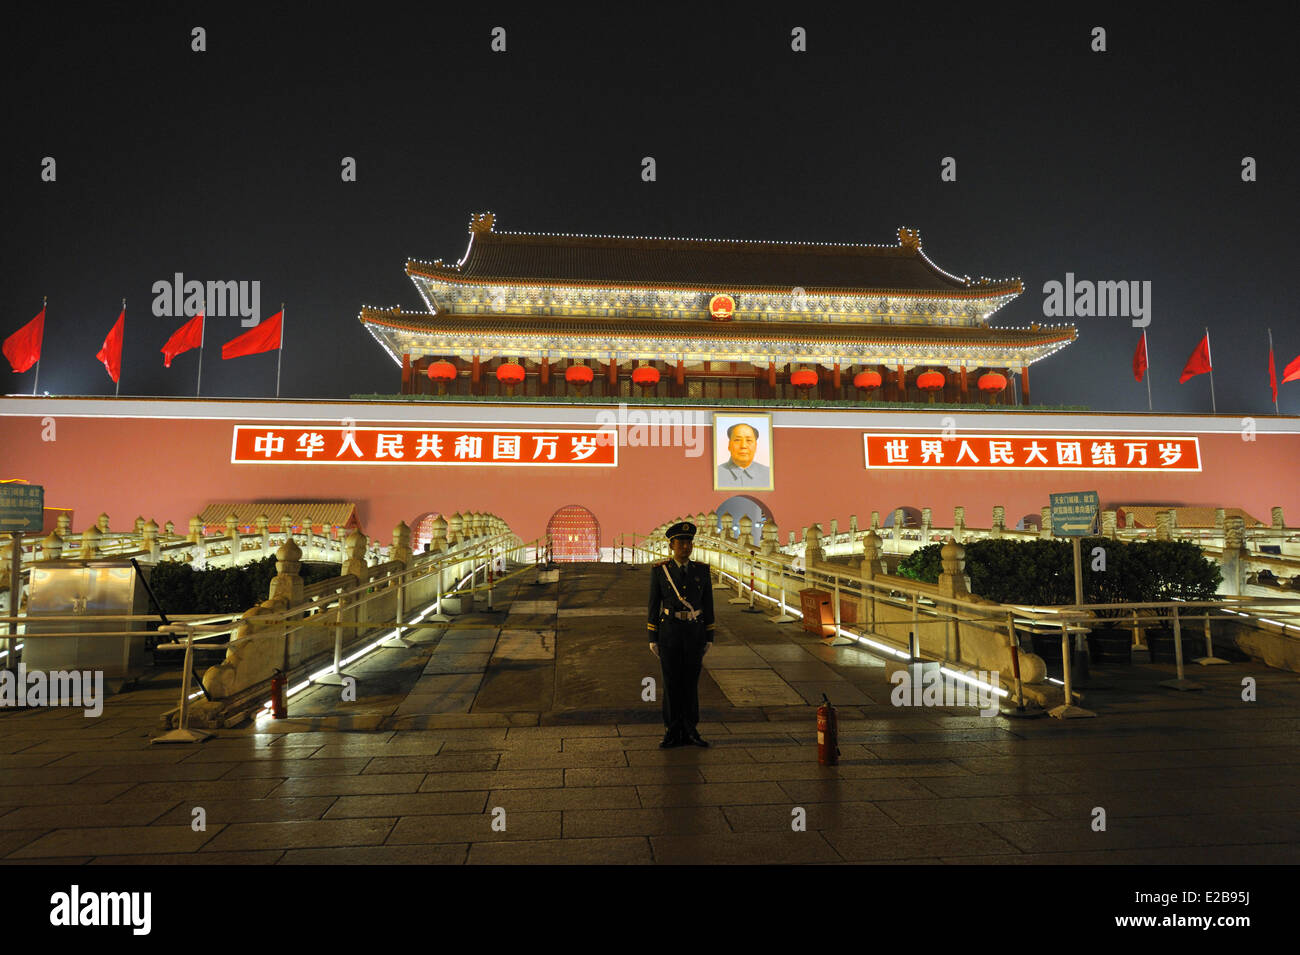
203,328
117,389
1214,408
280,352
44,301
1146,355
1272,368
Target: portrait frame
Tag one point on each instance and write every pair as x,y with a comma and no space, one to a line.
764,454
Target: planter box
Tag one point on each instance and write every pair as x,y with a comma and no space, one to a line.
1110,645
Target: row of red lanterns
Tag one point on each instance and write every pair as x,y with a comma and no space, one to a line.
512,373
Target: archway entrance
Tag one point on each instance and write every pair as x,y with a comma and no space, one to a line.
422,531
574,533
742,505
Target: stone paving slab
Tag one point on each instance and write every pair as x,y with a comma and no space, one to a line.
120,840
924,842
407,804
476,828
614,851
773,848
755,687
827,815
301,834
364,784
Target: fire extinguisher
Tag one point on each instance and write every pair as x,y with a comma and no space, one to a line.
828,734
277,694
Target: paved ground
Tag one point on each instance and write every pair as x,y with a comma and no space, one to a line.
534,718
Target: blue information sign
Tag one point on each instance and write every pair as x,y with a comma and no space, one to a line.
22,508
1074,514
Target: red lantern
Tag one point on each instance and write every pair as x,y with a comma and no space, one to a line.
579,376
931,381
867,380
510,374
803,379
992,382
442,372
646,377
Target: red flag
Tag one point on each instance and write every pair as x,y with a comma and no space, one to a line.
1272,374
111,352
1292,371
189,335
1199,363
1140,359
23,347
264,337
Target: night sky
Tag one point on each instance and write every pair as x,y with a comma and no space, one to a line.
1124,165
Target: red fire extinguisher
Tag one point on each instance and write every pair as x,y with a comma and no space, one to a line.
277,695
828,734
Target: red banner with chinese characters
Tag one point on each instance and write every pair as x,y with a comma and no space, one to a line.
1019,452
259,444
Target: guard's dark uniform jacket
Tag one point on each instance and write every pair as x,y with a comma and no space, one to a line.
681,641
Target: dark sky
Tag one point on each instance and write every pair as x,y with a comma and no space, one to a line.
225,165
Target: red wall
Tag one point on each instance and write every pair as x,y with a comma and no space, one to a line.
170,468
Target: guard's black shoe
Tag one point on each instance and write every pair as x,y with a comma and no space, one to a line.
670,741
695,739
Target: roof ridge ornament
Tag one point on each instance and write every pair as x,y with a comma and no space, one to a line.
481,222
909,238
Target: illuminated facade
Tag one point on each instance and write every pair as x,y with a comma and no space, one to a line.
706,318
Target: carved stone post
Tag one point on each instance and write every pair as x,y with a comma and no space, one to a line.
453,530
1045,523
90,539
1234,556
999,521
64,524
232,534
1164,525
925,526
196,530
149,539
1109,522
952,582
438,542
102,523
52,546
354,556
287,582
959,524
746,531
812,547
264,532
401,551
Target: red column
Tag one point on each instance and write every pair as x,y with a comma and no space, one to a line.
406,373
835,379
965,391
902,384
544,377
613,375
475,377
1024,382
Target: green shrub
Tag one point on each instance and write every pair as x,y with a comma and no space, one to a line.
182,589
1021,572
923,564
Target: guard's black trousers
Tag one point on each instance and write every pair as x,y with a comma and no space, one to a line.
681,654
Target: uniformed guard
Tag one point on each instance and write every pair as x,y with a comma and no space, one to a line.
681,633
